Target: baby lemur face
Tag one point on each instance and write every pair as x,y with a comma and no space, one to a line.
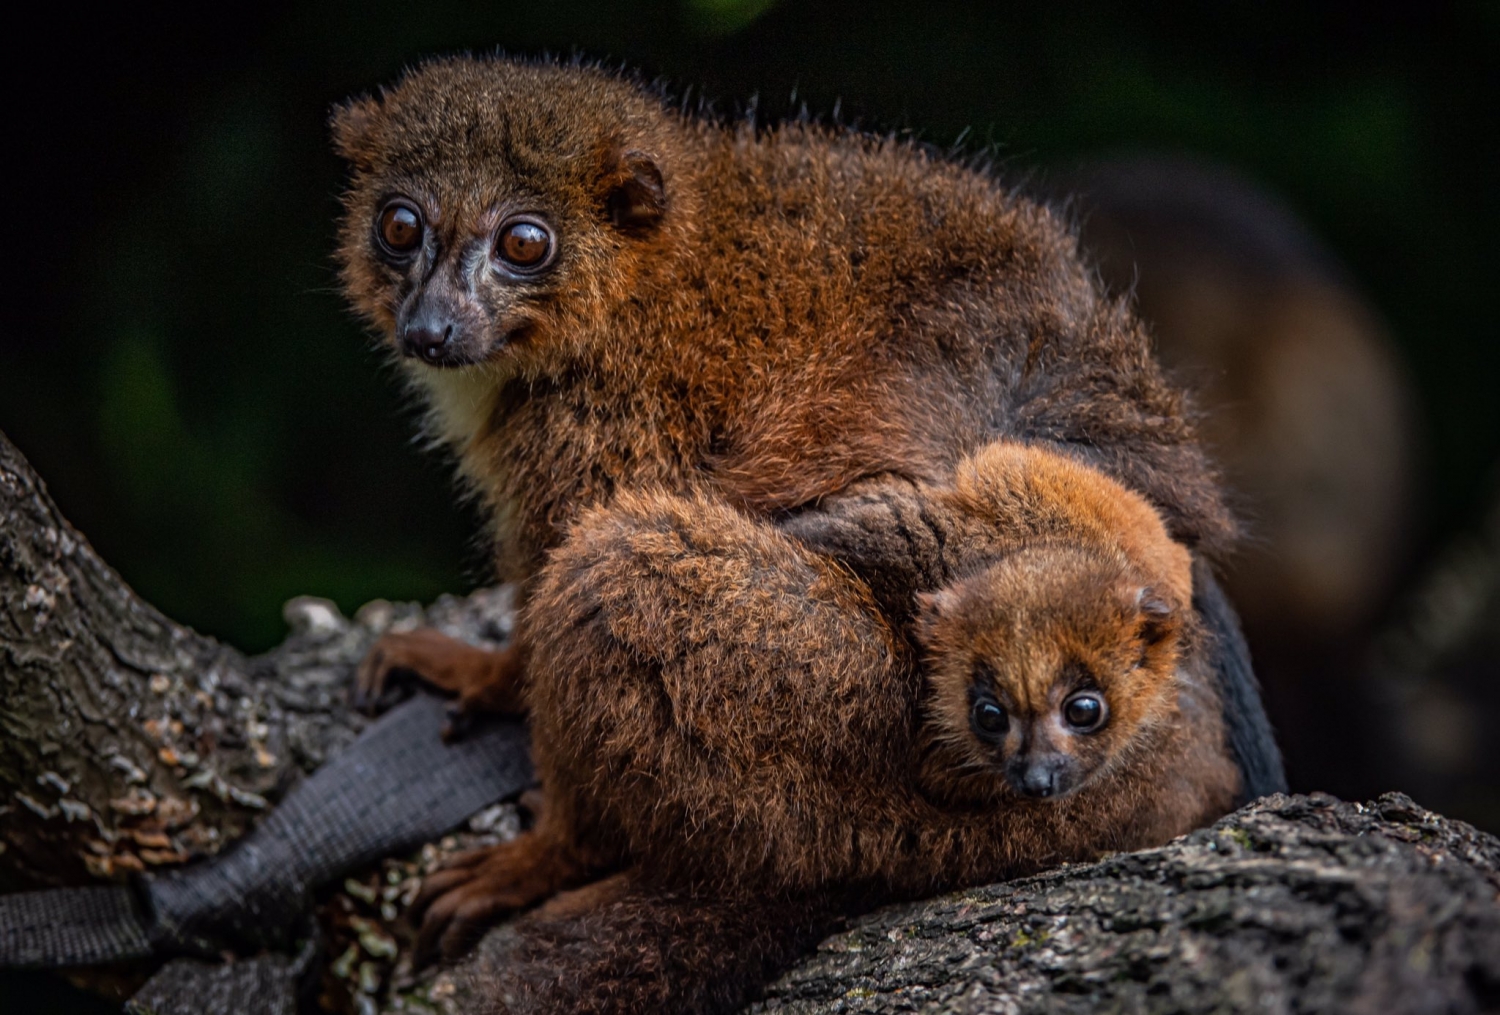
1046,666
493,204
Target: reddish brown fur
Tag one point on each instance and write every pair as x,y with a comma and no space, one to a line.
520,873
619,946
732,718
480,679
1046,622
906,536
1040,570
728,707
1055,579
815,306
712,702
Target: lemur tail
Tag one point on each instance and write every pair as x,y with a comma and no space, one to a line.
620,947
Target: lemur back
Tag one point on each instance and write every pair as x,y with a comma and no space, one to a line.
777,313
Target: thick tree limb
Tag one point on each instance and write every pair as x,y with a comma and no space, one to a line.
131,741
1290,904
111,711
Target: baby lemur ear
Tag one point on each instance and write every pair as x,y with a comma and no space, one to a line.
635,198
352,125
1157,616
931,606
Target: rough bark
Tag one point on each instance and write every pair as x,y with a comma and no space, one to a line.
1292,904
131,741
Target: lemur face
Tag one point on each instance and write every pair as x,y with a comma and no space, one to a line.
1039,747
1045,666
460,296
494,206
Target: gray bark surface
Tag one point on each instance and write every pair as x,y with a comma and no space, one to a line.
1292,904
130,741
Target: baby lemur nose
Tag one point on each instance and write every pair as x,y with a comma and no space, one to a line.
427,338
1040,776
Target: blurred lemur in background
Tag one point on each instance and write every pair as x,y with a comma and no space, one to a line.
1312,416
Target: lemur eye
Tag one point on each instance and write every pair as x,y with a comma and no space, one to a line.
400,228
1085,712
524,244
990,717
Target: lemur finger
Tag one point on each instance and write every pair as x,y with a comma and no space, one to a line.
470,920
369,679
434,923
434,887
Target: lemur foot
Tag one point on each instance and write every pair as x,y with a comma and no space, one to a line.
458,902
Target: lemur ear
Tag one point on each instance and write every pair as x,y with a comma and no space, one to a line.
635,198
353,126
931,606
1157,616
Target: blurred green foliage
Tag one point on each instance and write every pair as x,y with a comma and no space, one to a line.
179,366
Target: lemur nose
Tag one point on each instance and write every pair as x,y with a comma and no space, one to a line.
1039,781
426,339
1040,776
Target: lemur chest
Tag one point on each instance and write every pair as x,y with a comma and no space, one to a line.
550,450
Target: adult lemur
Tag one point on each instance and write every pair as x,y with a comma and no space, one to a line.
650,338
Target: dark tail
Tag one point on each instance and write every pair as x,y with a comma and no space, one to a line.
1250,735
639,950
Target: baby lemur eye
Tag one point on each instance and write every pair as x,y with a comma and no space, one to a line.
990,717
524,244
1085,712
399,228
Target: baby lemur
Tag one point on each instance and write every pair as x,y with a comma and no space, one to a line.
648,336
802,749
1052,608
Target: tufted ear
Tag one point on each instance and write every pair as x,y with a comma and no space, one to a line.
635,198
352,124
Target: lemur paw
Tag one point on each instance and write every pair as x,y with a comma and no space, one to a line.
481,679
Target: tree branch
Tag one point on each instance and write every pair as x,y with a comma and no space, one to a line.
113,714
1290,904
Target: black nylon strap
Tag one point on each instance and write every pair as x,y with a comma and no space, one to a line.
394,788
265,985
72,926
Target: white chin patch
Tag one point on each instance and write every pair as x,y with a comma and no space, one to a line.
460,399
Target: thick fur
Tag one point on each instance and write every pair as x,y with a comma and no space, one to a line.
732,718
1037,577
814,306
617,946
905,537
774,316
728,707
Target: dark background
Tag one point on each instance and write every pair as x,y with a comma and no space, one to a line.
177,363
